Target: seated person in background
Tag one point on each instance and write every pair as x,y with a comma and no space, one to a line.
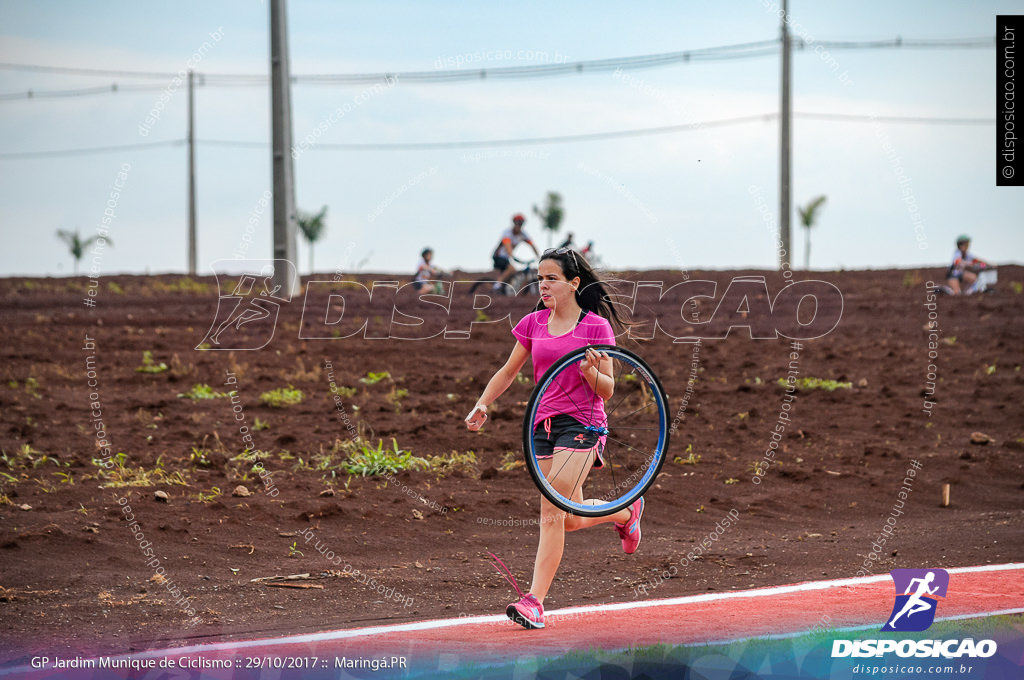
427,274
963,272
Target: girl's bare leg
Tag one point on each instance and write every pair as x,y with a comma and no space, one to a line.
567,469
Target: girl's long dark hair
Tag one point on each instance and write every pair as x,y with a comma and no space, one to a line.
593,293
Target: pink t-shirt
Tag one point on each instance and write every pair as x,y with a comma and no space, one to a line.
569,394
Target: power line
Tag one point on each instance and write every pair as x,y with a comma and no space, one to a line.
75,71
90,150
718,53
924,120
527,141
113,88
614,134
899,42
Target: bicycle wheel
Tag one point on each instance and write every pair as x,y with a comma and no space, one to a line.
634,428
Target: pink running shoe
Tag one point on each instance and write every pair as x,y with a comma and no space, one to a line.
630,531
527,612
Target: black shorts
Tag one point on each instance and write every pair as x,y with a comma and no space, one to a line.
501,262
565,432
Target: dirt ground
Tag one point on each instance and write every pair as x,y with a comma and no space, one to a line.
92,560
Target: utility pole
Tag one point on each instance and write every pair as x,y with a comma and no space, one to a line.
191,175
281,130
785,120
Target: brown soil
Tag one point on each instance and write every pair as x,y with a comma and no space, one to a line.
73,576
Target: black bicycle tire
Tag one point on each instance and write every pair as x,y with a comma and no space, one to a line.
531,461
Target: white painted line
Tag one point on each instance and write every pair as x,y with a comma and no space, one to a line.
436,624
572,611
852,629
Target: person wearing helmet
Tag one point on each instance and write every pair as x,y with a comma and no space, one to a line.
510,238
963,272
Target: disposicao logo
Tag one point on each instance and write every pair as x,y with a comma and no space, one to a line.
917,593
914,609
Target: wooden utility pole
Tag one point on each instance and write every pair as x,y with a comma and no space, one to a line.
281,130
191,175
785,119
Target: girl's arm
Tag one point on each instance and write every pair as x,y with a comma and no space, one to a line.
498,383
597,371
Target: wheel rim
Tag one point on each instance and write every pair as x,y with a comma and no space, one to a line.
634,430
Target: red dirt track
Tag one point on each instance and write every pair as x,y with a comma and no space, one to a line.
73,577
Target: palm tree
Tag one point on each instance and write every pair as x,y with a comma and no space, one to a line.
552,215
312,226
808,215
76,245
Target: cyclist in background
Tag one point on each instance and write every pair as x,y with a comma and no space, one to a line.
963,272
510,238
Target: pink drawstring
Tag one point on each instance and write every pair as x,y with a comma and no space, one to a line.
506,574
547,426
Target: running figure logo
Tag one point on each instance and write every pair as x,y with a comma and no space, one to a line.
914,610
253,302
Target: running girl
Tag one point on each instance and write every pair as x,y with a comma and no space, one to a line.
573,312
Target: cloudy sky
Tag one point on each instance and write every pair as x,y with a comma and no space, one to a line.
898,193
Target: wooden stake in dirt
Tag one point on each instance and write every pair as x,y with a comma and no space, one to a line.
945,495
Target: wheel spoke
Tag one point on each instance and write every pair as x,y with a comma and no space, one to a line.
634,436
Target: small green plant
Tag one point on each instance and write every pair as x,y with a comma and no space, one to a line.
115,474
1017,287
911,279
201,391
453,462
367,461
65,478
522,379
114,288
481,317
293,550
200,457
209,496
732,480
32,387
691,458
149,366
281,397
260,425
812,383
26,457
511,461
374,378
395,397
183,285
344,392
990,369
